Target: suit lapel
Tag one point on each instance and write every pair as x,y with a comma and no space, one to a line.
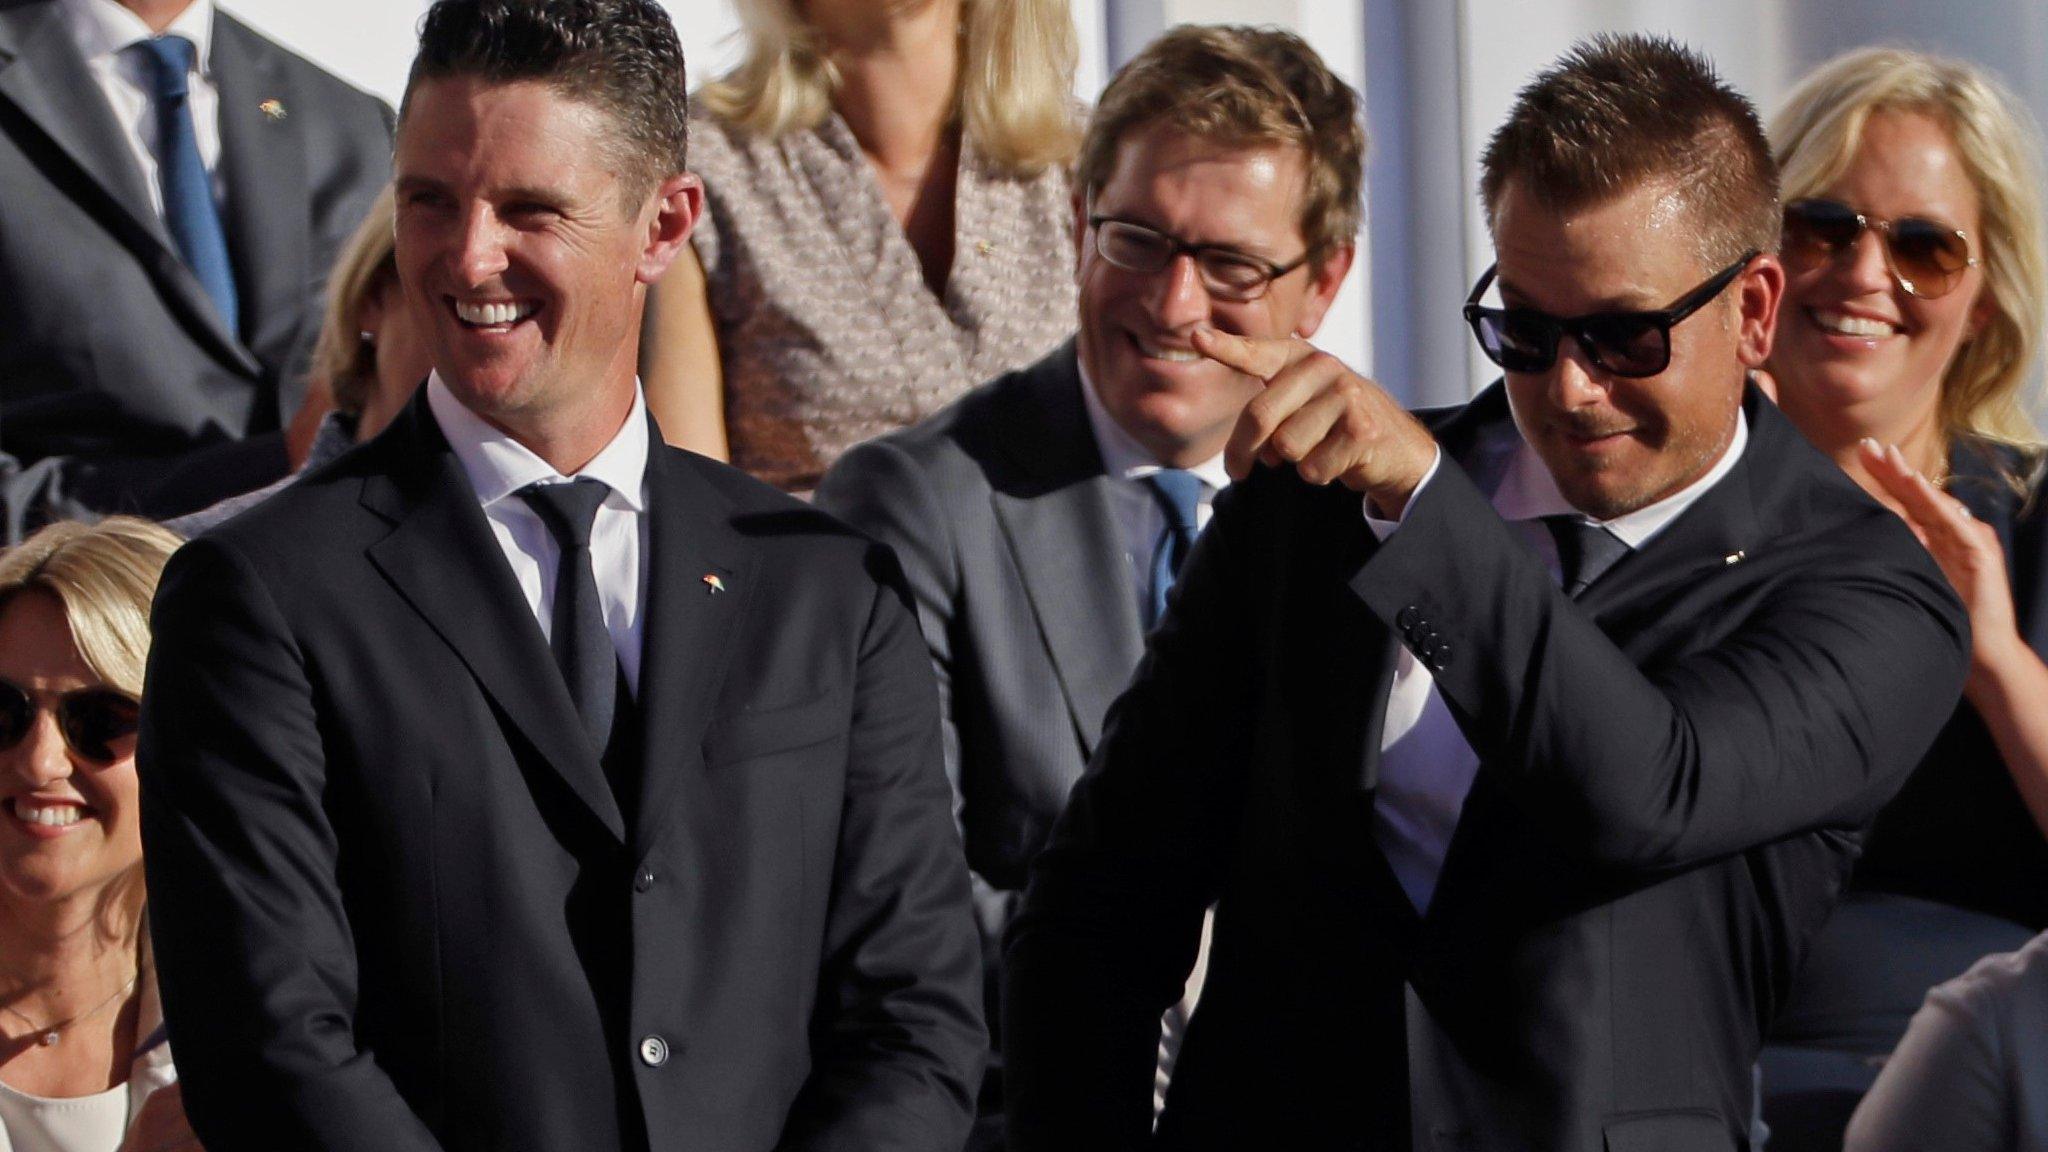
43,75
1052,503
687,638
263,165
442,557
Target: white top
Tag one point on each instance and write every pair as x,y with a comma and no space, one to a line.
92,1123
102,29
499,466
1426,767
1131,500
1972,1073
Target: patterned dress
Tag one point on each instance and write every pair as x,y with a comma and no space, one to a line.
827,331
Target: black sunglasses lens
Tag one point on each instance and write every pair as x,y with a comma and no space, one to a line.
95,722
1517,341
1627,345
17,713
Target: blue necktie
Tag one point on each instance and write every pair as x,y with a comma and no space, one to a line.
1177,492
189,210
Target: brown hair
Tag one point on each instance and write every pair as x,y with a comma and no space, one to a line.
619,56
1818,132
1240,85
1622,111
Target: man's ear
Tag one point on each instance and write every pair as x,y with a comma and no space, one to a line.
672,213
1325,277
1759,291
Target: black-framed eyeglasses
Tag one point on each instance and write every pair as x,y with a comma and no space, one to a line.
1631,344
92,720
1926,257
1226,273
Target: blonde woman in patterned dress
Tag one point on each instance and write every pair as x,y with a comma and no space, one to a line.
889,222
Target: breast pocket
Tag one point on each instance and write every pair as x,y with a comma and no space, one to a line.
750,735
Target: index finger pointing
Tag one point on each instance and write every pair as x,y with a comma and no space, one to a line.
1253,357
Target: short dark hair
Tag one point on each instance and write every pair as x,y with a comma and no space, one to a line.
619,56
1239,85
1620,111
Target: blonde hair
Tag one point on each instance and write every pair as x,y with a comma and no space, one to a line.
104,575
1014,99
1816,135
343,356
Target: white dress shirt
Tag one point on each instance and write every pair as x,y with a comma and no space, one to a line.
1139,517
102,30
499,466
1426,767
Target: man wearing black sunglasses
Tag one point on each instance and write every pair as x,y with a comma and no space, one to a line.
1522,761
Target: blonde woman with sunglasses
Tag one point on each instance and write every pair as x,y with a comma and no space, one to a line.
1905,349
83,1062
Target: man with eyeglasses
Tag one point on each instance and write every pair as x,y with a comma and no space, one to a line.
1041,519
1520,748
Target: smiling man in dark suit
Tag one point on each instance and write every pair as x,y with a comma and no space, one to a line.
1521,762
561,790
177,187
1041,519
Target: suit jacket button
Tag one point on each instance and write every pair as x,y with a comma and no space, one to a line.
643,879
654,1051
1408,617
1440,656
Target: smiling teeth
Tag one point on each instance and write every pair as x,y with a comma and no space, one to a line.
1170,355
490,315
54,816
1844,325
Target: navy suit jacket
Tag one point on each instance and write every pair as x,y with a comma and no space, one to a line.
1675,770
397,908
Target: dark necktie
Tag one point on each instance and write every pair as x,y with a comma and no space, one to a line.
1584,551
189,210
581,644
1178,492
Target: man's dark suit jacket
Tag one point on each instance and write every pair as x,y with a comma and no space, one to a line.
1674,773
998,508
121,387
395,904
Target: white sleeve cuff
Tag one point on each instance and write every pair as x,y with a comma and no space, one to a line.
1385,528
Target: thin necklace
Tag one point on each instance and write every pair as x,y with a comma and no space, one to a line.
54,1032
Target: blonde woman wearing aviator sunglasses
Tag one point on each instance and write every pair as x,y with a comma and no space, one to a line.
1913,310
83,1062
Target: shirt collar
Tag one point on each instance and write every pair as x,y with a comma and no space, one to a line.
105,27
1122,455
1528,492
499,466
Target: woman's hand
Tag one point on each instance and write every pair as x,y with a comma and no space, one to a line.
1966,549
161,1126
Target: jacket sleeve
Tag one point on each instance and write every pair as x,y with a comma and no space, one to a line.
254,949
879,489
1810,713
897,1039
1112,918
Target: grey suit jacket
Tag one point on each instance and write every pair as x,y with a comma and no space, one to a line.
121,386
999,510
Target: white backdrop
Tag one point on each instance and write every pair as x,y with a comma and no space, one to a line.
1437,74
